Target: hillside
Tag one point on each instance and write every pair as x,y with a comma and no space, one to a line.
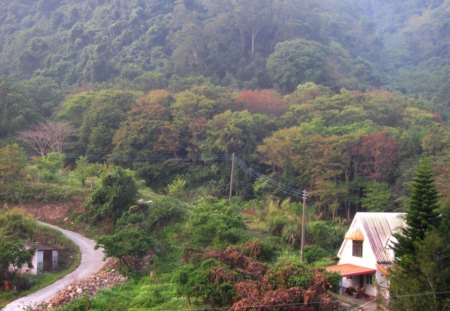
181,134
376,43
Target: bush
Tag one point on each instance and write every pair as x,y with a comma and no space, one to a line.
116,193
49,165
314,253
217,225
177,187
325,234
138,230
262,250
290,272
44,192
201,284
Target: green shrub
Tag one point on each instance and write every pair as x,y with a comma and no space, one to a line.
177,187
138,231
314,253
335,279
289,271
215,224
49,165
45,192
198,284
325,234
116,193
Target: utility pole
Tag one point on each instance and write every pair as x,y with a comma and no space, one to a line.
231,178
302,243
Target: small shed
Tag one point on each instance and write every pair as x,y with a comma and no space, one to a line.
45,259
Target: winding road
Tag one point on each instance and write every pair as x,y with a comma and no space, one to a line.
91,262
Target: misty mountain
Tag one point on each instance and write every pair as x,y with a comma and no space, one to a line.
402,45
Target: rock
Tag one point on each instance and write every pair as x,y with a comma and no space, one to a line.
90,286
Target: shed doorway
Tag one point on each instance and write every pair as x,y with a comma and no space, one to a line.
48,261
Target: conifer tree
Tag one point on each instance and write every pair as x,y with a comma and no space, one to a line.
422,214
422,267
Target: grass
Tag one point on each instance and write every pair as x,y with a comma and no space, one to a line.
155,291
137,295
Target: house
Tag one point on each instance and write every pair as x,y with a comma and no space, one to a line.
45,259
367,252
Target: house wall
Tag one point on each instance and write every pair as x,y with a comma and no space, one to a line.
54,260
355,282
40,261
37,262
27,270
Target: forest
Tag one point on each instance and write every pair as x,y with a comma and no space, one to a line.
116,103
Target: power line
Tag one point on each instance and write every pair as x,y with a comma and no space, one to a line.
420,294
149,158
286,189
257,306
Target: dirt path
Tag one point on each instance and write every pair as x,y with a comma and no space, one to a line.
91,262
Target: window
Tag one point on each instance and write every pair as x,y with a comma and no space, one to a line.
369,279
357,248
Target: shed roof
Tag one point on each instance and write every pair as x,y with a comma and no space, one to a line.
40,246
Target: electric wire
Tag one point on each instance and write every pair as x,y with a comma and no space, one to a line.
286,189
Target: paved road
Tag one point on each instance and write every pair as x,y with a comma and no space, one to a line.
91,262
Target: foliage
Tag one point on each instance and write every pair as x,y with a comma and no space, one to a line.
215,224
49,165
115,194
262,101
377,197
177,187
248,283
325,234
15,226
12,171
422,264
200,285
290,272
143,130
422,215
81,170
43,192
17,229
129,242
24,104
13,254
137,232
427,271
101,118
314,253
222,41
296,61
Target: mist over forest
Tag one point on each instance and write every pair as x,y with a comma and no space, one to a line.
359,45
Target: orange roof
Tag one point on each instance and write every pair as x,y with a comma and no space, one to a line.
350,270
383,269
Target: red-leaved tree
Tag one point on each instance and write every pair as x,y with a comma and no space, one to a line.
262,101
377,155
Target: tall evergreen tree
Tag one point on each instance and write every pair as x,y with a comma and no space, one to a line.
422,214
422,267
